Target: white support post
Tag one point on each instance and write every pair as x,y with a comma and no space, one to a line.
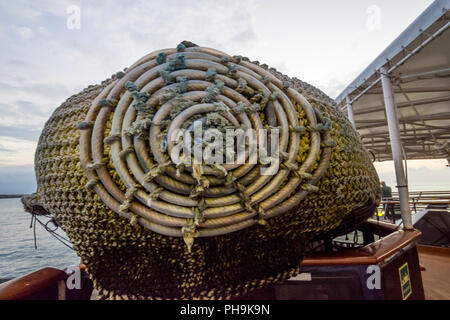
350,114
394,135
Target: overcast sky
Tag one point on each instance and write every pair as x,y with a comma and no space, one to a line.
45,57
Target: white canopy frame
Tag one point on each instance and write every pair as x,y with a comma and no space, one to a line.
400,104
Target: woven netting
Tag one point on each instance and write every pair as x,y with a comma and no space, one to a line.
147,227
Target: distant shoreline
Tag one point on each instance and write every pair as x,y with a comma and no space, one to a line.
10,196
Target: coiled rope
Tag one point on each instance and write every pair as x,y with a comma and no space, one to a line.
130,122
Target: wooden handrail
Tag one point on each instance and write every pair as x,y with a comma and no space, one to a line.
23,287
368,255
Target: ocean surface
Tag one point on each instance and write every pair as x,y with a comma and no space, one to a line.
17,253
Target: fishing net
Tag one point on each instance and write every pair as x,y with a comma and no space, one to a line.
147,226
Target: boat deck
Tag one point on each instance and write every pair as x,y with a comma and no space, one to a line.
330,270
436,276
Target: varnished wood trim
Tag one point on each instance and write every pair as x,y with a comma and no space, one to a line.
32,283
370,254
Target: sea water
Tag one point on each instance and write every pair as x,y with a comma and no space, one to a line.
18,255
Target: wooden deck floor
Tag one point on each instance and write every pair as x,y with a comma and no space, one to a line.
436,276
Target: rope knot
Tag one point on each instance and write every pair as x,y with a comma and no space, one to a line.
108,103
97,165
237,59
212,91
289,166
303,174
261,216
309,187
222,172
155,193
297,129
210,74
161,58
111,138
166,76
329,143
129,194
242,84
283,154
92,183
202,205
229,179
85,125
181,47
125,152
255,107
177,64
232,69
322,127
274,96
134,220
189,234
156,170
220,107
286,85
130,86
120,74
198,215
238,108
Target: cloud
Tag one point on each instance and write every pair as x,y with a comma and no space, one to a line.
245,36
20,151
373,21
44,62
41,89
22,133
3,149
18,63
23,32
22,119
332,87
17,179
422,174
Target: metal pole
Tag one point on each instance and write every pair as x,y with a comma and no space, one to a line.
394,135
351,116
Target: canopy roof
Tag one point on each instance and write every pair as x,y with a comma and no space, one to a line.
419,65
